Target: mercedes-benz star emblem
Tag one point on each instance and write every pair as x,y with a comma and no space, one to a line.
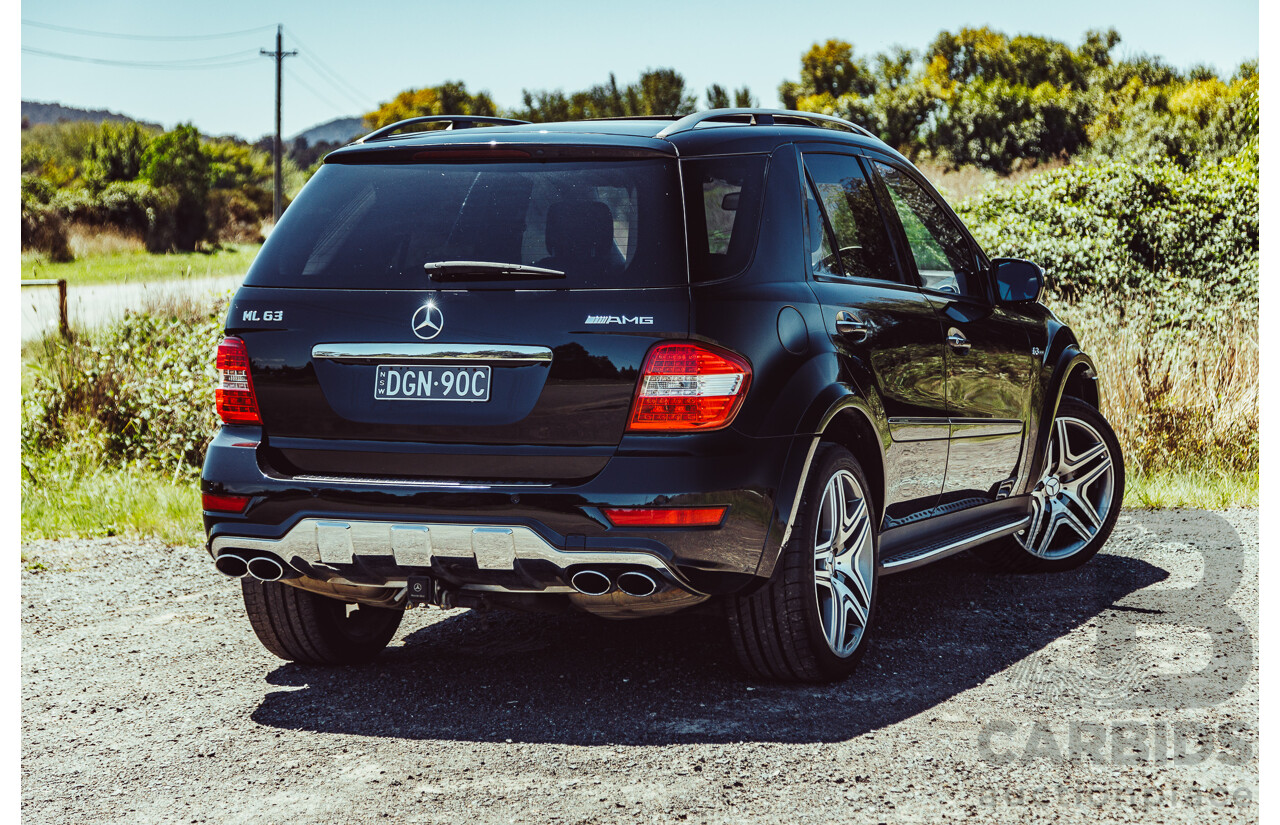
427,321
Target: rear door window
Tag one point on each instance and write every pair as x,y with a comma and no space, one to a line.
373,226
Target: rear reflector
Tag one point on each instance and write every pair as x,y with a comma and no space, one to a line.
237,403
689,387
665,516
224,504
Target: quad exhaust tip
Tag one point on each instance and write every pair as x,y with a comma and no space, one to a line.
262,568
635,583
591,582
631,582
265,568
229,564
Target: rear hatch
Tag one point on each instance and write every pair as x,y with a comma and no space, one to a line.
462,315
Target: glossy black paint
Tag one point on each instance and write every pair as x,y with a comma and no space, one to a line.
914,403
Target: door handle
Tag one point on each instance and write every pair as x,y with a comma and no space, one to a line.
957,341
852,327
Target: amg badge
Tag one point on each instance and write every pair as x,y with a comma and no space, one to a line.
619,319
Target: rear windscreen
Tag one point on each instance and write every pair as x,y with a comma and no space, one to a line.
605,224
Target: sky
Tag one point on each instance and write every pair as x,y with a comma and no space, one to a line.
354,56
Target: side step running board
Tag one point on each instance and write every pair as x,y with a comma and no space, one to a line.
917,556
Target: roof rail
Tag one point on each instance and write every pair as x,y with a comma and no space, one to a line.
637,117
454,121
760,117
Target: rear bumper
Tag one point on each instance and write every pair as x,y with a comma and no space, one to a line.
508,536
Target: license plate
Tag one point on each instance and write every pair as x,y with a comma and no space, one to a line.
417,383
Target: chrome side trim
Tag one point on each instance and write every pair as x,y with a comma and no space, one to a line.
490,546
979,427
933,429
468,353
919,429
964,543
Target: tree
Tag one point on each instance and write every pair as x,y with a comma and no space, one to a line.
831,69
657,92
115,153
717,97
449,98
662,92
176,164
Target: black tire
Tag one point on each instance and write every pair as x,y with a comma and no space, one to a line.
308,628
778,631
1010,555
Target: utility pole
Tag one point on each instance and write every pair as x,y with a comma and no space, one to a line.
277,200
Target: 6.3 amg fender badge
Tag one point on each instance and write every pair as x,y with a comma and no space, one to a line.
427,321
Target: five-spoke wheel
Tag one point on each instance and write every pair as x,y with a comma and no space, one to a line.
1075,502
843,563
1076,493
811,620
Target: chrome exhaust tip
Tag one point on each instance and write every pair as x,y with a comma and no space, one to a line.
266,569
591,583
635,583
231,565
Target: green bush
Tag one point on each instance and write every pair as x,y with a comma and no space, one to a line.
142,388
1180,245
43,230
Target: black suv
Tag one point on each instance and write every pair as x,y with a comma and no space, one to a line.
744,359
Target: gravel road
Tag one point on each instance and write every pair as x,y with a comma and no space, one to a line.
1126,691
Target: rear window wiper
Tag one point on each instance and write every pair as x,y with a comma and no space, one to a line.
483,270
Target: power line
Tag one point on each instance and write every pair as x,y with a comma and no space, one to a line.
356,101
336,79
196,63
294,77
122,36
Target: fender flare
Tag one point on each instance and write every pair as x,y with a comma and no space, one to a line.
834,401
1069,363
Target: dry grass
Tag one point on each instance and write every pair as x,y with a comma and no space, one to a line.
961,183
99,240
1184,402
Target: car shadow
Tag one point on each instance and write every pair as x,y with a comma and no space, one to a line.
575,679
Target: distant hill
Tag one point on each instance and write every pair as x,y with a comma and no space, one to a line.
34,112
340,130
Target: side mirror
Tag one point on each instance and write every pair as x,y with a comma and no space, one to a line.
729,202
1017,281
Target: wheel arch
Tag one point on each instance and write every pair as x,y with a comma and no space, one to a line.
1073,374
850,420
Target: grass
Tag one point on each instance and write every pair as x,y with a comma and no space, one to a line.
1183,402
1192,488
68,493
960,183
113,261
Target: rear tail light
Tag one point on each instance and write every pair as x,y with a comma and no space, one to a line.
665,516
689,387
237,403
224,503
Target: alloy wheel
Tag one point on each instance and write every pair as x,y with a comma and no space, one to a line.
843,563
1075,495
